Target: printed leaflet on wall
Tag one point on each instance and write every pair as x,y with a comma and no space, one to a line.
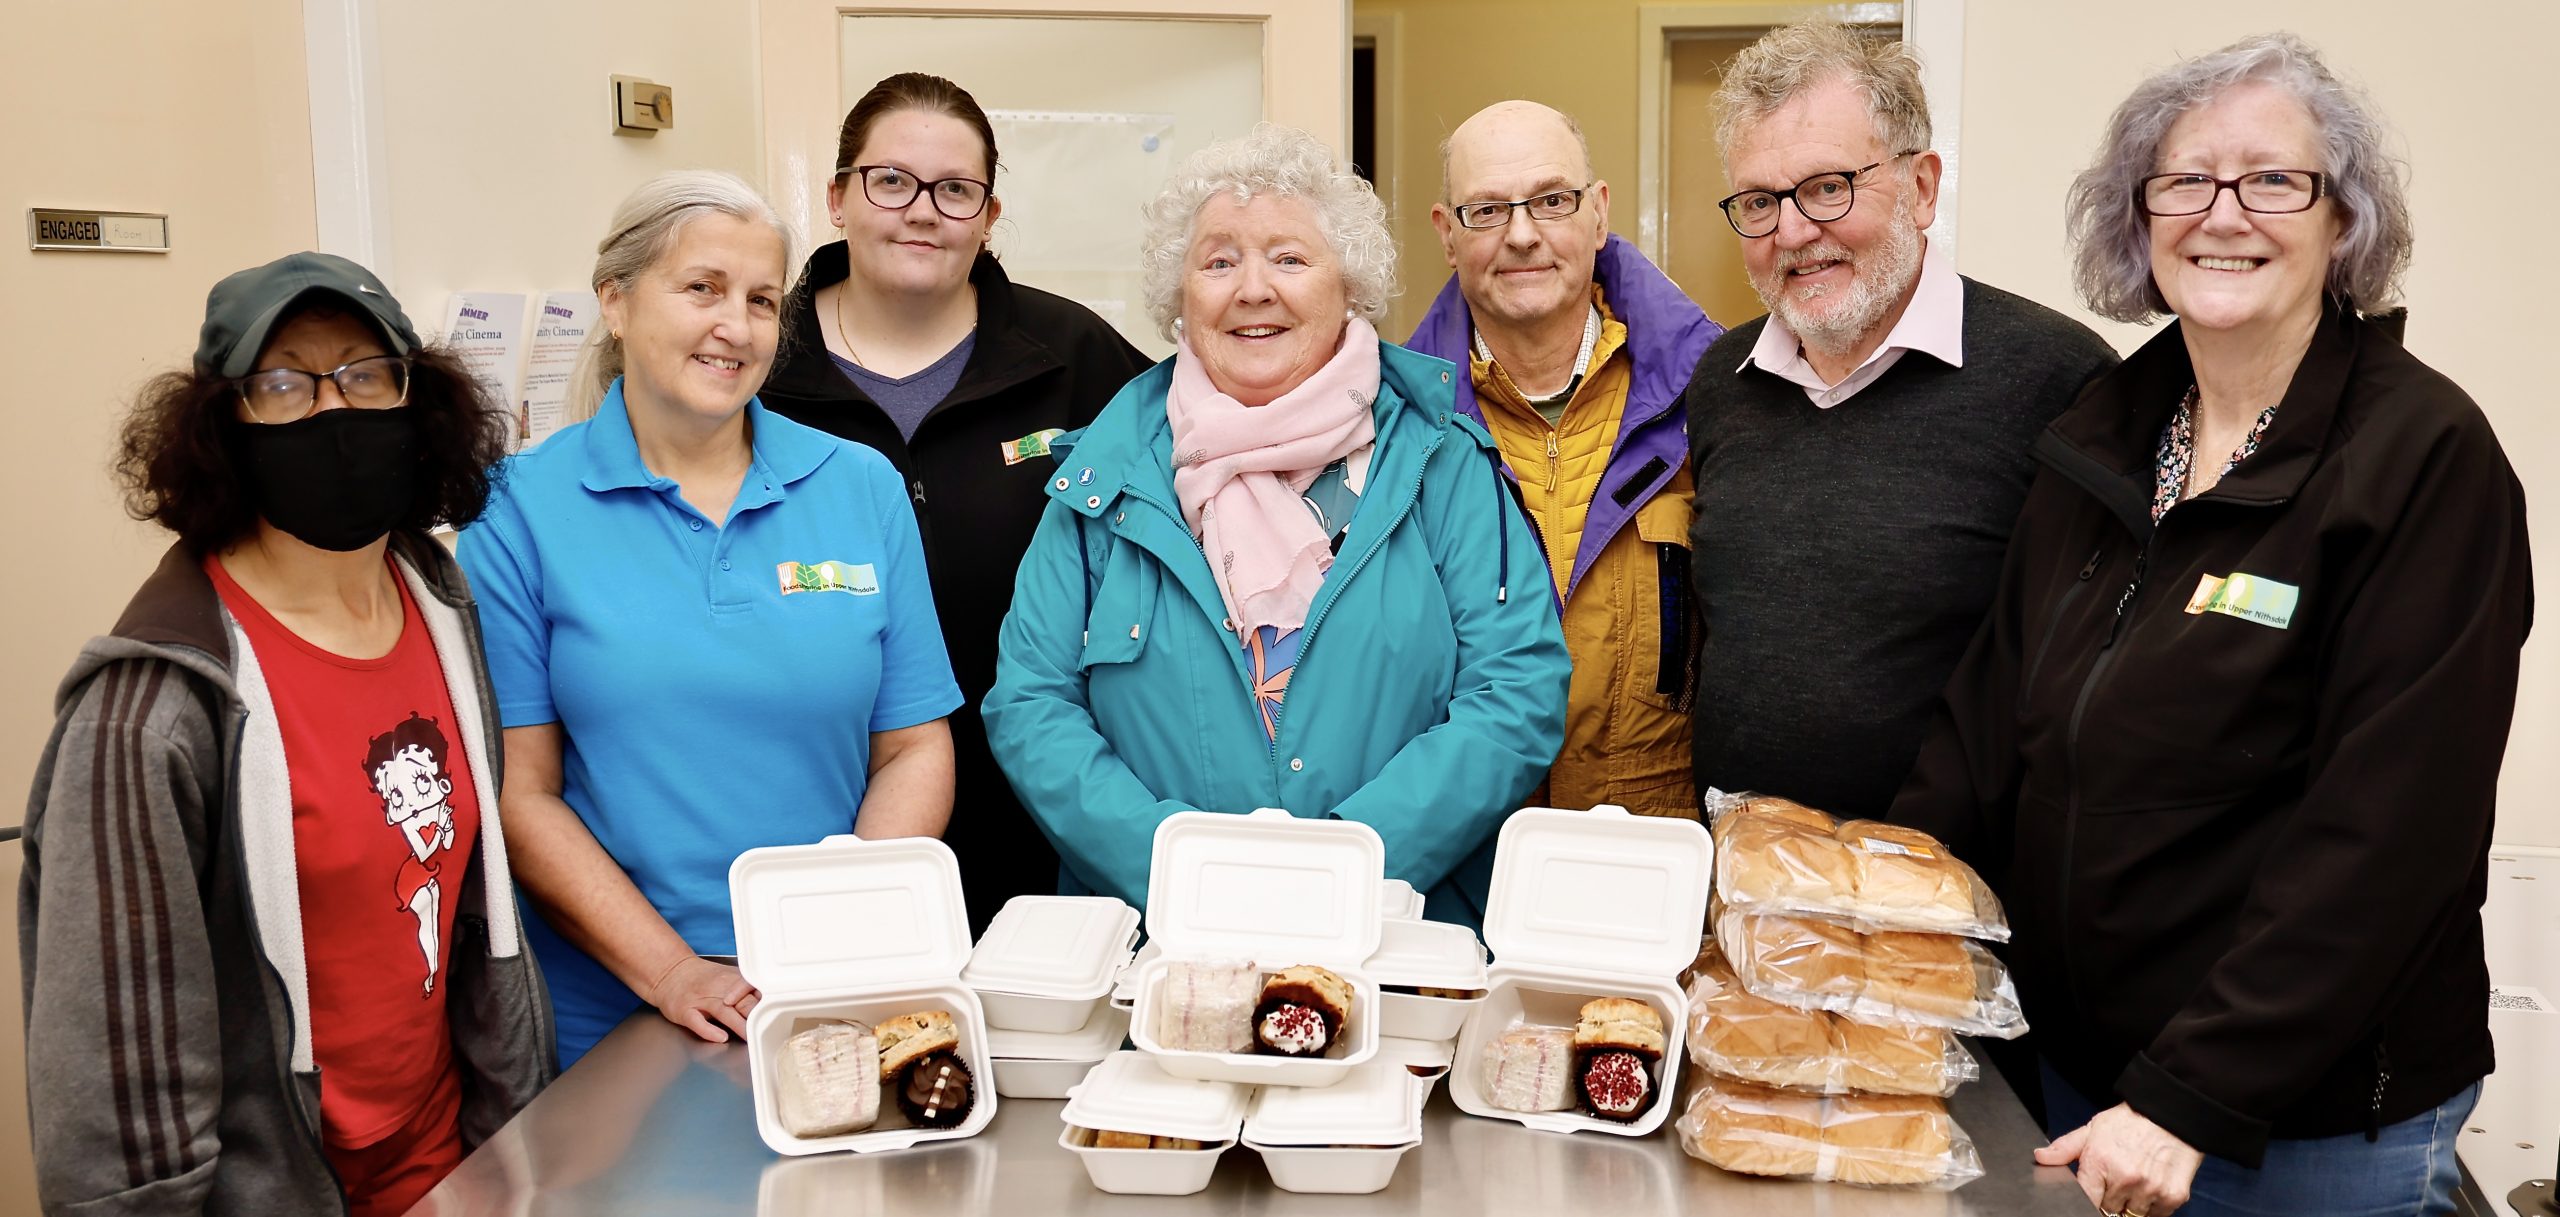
559,330
486,329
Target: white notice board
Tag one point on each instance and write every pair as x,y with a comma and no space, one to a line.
1075,206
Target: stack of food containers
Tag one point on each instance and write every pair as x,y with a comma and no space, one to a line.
1343,1138
1043,971
1142,1131
852,935
1431,976
1825,1017
1593,915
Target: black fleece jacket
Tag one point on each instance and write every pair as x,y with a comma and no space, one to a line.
1041,362
2244,843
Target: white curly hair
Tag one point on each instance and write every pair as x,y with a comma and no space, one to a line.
1272,161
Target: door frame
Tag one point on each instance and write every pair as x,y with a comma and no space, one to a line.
1380,31
1935,28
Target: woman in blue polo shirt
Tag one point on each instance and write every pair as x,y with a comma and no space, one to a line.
709,627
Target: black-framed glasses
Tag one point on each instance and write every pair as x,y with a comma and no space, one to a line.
1553,205
1821,198
893,189
284,395
2265,191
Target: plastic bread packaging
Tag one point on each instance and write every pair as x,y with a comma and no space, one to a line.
1740,1036
1867,1140
1776,856
1934,980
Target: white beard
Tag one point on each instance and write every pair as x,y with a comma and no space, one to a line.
1887,271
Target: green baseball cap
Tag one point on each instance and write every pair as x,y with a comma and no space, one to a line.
241,309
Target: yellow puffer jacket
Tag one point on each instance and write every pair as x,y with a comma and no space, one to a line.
1625,740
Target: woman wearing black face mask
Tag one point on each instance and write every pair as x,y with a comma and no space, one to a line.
271,951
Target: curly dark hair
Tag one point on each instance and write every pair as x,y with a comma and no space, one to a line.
180,468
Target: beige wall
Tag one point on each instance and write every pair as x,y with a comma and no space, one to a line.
502,171
115,123
2457,98
497,129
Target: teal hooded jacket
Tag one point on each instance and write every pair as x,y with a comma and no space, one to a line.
1427,701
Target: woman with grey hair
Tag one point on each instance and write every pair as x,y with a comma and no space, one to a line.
2234,723
709,627
1286,475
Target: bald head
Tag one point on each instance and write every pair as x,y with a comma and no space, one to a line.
1529,271
1523,127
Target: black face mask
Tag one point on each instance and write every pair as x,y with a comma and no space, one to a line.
336,480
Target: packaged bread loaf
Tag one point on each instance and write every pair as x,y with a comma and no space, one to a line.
1936,980
1776,856
1741,1036
1868,1140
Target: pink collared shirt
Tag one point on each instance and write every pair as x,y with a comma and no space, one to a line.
1933,324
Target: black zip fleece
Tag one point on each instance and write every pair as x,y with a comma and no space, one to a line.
1041,362
2244,847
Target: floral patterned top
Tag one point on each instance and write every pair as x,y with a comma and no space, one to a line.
1271,653
2177,456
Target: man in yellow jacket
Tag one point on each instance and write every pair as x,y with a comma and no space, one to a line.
1578,350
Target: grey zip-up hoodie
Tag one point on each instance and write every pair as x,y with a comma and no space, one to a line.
169,1064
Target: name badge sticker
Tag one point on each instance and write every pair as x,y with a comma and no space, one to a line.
2247,597
855,577
1029,446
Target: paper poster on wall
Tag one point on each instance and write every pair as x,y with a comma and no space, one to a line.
486,330
1075,189
560,330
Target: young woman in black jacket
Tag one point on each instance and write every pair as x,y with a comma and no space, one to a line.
907,336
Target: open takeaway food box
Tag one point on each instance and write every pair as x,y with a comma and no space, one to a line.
864,1037
1592,916
1264,921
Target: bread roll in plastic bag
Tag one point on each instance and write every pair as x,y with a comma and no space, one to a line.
1936,980
1756,1040
1777,856
1867,1140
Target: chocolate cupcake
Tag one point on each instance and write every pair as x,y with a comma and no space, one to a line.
937,1091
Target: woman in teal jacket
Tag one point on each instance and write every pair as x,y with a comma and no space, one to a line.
1134,681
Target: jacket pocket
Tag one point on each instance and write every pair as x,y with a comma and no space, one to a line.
1123,605
1661,630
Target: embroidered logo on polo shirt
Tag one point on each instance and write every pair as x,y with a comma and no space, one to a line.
854,577
2247,597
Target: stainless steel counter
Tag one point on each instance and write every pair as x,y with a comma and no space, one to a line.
653,1121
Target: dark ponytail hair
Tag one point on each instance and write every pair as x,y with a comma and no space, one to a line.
911,91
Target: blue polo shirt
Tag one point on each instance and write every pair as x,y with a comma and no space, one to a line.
717,685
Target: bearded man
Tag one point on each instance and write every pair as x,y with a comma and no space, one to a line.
1859,453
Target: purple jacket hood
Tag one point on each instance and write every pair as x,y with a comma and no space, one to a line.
1666,334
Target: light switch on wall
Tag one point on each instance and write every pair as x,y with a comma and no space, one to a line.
641,107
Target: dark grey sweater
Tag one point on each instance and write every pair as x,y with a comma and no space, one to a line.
1844,557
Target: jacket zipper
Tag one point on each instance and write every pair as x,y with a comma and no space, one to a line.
2088,571
2381,1079
2071,747
1307,642
1555,460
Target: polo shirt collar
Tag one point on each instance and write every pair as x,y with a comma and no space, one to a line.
1933,324
783,449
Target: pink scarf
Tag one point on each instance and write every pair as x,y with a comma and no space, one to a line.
1240,471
